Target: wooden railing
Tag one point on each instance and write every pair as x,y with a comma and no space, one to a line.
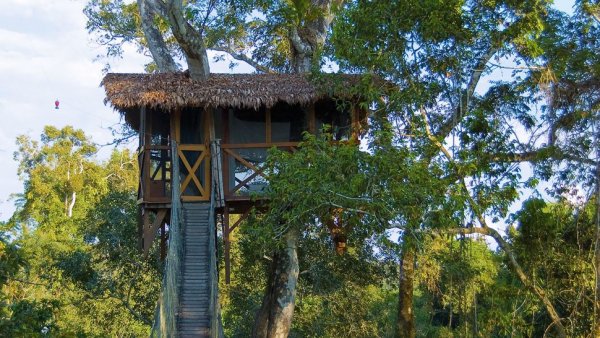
196,170
155,178
244,166
241,170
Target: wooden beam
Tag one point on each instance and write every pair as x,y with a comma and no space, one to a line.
258,145
247,179
142,141
312,124
242,218
242,160
146,162
150,232
177,122
268,125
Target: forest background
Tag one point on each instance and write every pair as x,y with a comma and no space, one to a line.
445,162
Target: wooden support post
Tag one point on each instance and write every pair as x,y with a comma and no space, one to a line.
175,138
225,158
312,123
227,245
268,125
142,155
150,232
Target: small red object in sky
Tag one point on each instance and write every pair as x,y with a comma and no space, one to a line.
56,103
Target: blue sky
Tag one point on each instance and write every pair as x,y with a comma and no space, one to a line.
47,54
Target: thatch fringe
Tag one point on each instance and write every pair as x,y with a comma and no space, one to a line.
169,91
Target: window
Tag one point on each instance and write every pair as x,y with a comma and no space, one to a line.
288,122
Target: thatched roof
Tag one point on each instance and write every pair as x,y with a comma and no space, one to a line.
168,91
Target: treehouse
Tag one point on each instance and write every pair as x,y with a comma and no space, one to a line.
223,128
204,143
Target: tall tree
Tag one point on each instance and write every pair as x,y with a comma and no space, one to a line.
246,30
80,265
439,55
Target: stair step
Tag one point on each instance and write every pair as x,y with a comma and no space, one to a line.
194,288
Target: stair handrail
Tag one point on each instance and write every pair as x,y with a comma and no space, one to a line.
213,300
165,319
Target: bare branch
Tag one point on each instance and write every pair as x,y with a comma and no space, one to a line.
243,57
541,154
459,112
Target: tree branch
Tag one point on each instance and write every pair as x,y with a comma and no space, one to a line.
244,58
541,154
463,107
503,244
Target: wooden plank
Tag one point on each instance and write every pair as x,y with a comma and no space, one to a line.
146,175
186,164
142,135
195,178
194,198
248,179
193,147
243,217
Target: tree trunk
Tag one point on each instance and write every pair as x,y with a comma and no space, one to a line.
156,44
190,40
405,324
72,204
306,40
274,319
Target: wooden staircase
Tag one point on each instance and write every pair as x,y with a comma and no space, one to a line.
193,319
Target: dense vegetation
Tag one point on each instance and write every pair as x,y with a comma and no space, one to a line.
452,156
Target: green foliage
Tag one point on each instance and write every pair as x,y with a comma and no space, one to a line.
554,242
72,265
